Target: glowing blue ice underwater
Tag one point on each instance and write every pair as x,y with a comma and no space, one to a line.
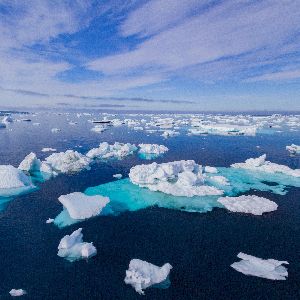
126,196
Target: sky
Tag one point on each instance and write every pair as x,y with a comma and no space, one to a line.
193,55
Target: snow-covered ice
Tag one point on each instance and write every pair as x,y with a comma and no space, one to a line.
48,150
293,149
178,178
118,176
248,204
265,268
49,221
260,164
30,163
116,150
71,247
153,149
81,206
141,275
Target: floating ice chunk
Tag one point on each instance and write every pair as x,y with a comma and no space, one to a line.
260,164
49,221
153,149
71,247
117,150
30,163
81,206
118,176
209,169
66,162
248,204
141,274
17,293
225,129
170,133
98,128
265,268
293,149
11,177
48,150
7,120
178,178
55,130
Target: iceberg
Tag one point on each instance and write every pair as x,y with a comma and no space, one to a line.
30,163
48,150
250,204
260,164
178,178
81,206
264,268
141,275
65,162
17,293
72,248
293,149
117,150
13,181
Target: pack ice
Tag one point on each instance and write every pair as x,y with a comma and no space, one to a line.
250,204
178,178
72,248
141,275
266,268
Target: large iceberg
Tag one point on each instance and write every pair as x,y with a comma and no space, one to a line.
141,275
71,247
178,178
81,206
260,164
117,150
265,268
248,204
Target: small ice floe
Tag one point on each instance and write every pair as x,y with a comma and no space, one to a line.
117,150
260,164
66,162
30,163
49,221
178,178
224,129
118,176
54,130
17,292
153,149
250,204
264,268
81,206
169,133
72,248
98,128
141,275
293,149
49,150
73,123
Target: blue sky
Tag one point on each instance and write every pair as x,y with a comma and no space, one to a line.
156,54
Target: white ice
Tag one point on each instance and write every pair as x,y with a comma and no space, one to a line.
48,150
11,177
81,206
178,178
153,149
293,149
260,164
30,163
141,274
250,204
17,292
118,176
71,247
265,268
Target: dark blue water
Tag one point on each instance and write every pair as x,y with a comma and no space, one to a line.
200,247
